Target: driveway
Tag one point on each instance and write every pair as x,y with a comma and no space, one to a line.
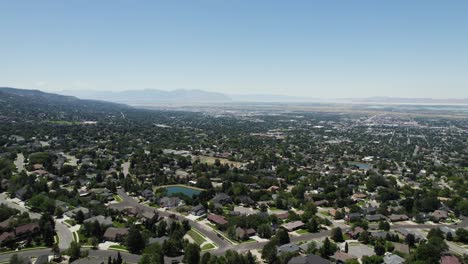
64,234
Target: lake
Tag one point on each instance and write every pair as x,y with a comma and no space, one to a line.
182,189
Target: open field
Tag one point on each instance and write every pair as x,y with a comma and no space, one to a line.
211,160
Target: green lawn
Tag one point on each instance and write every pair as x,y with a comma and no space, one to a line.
70,222
302,231
118,198
118,248
207,247
196,236
77,237
118,224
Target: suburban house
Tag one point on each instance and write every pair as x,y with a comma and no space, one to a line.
198,210
102,220
309,259
342,257
439,215
222,199
244,233
398,217
115,234
393,259
291,226
352,217
169,202
217,219
288,248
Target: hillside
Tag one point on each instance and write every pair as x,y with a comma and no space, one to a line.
35,105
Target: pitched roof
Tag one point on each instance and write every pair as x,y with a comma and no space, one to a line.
309,259
218,219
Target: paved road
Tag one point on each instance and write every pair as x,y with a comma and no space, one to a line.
64,234
101,254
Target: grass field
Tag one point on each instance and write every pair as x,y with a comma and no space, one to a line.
196,236
211,160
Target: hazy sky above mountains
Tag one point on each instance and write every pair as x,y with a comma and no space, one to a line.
303,48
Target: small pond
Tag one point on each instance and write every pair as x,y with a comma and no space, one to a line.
182,189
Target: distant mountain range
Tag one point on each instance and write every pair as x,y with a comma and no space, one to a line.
153,97
148,97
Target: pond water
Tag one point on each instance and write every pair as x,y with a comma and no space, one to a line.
182,189
361,166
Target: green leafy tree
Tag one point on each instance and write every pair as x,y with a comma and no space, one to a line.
337,234
328,248
135,241
269,252
192,254
152,254
74,251
282,236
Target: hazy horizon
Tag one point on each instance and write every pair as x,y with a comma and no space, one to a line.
331,49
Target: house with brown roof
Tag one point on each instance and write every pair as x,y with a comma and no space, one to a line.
398,217
439,215
402,248
115,234
27,229
244,233
356,232
217,219
6,237
291,226
342,257
449,259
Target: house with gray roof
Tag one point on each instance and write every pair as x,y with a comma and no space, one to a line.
288,248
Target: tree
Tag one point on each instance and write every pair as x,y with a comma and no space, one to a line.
384,225
311,248
264,231
205,259
250,258
328,248
119,259
192,254
410,240
79,217
379,249
269,252
48,234
364,237
462,235
449,236
282,236
74,251
152,255
161,229
429,252
56,251
435,232
135,241
337,234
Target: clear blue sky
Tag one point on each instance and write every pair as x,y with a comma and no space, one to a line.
325,48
